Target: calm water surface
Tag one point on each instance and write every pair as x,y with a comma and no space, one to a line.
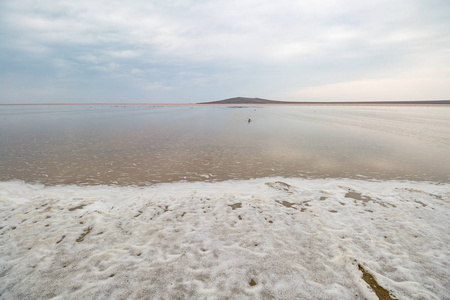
150,144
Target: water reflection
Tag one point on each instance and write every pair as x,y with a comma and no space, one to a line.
146,144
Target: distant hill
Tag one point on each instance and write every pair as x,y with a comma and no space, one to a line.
244,100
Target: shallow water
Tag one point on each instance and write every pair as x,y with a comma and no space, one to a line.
151,144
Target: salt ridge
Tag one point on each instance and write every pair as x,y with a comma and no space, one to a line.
286,238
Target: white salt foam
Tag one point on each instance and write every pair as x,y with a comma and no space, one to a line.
264,238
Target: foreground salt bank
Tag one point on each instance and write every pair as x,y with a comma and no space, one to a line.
264,238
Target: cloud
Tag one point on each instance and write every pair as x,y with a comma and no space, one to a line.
252,47
123,54
378,89
250,30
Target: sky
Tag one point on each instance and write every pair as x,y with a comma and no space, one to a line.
135,51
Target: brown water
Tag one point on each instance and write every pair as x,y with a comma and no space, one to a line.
150,144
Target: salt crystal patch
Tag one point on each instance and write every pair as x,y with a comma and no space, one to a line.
183,240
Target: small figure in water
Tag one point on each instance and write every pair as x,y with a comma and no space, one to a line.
249,120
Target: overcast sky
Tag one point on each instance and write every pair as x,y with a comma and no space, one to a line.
192,51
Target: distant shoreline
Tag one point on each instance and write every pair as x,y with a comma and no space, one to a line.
393,103
246,100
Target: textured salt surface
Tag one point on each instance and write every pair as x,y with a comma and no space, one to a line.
265,238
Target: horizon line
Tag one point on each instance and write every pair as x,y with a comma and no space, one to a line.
274,102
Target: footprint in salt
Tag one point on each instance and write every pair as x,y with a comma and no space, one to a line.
282,186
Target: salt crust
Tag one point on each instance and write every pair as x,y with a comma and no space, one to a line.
287,239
